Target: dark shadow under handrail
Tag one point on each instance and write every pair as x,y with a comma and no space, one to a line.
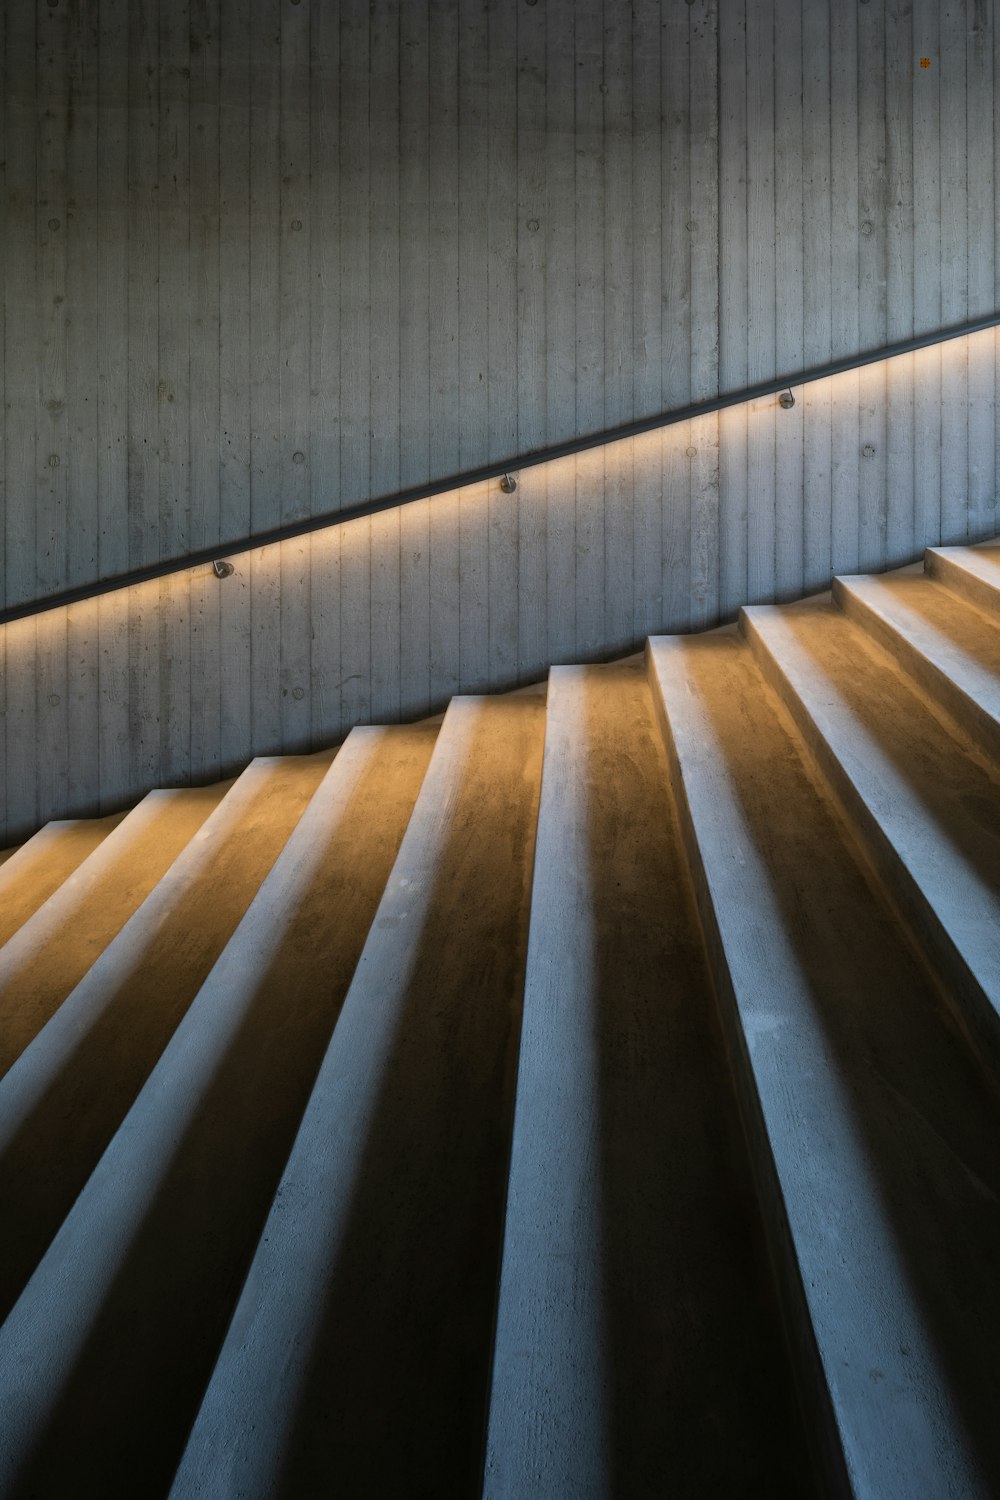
484,472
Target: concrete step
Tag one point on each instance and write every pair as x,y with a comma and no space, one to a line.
949,647
370,1301
66,1094
638,1347
104,1358
971,572
50,952
875,1135
31,874
926,811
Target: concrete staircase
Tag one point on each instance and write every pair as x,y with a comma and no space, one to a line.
593,1095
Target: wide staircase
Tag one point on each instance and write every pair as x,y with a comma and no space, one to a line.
592,1094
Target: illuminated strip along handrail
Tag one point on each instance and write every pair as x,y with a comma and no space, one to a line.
288,530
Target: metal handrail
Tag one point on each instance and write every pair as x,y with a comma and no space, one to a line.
503,470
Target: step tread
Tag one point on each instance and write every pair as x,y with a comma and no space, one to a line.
134,1293
874,1130
62,1099
51,952
937,807
635,1296
262,1076
973,572
938,631
30,874
389,1213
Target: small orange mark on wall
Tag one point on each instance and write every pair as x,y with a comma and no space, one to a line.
925,62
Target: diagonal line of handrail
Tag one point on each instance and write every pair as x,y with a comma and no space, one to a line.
485,472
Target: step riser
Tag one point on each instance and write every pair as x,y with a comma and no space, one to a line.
971,1006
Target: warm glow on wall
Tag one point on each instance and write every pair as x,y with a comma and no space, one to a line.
188,676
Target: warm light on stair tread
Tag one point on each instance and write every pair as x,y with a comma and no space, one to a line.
381,1092
54,949
43,864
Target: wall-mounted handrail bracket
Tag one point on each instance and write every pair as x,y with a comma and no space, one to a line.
786,400
222,569
508,483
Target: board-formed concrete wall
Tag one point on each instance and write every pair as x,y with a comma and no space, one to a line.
260,258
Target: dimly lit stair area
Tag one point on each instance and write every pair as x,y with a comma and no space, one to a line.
593,1094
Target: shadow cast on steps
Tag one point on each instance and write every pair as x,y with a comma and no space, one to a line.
118,1426
393,1395
926,1114
118,1021
701,1400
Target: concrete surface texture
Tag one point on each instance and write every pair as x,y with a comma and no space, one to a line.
591,1094
264,259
